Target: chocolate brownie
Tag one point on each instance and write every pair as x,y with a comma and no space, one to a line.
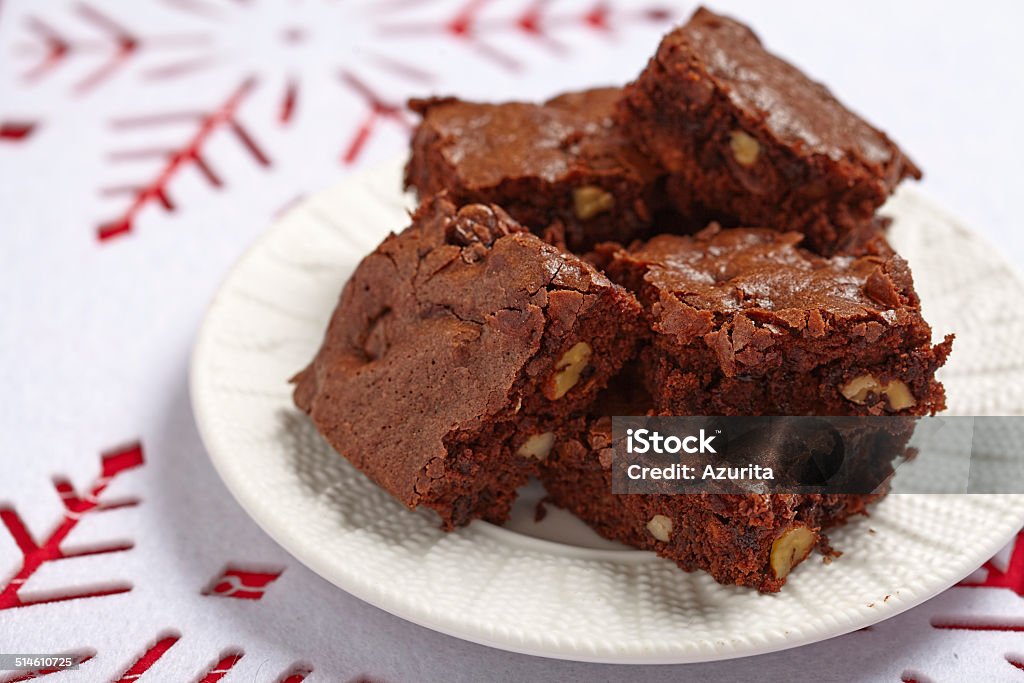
746,322
746,539
748,139
456,348
563,164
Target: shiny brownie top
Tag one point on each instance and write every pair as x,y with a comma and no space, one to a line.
798,111
491,143
766,274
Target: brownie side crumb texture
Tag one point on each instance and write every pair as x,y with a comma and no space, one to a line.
748,139
562,166
753,540
746,322
455,349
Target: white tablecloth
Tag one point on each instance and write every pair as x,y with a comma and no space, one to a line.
143,145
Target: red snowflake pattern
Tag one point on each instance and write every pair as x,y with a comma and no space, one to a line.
537,20
51,549
191,152
121,44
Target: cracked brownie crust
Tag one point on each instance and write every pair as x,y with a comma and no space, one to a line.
456,347
746,322
748,139
562,165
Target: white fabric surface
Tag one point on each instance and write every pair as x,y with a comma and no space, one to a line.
96,333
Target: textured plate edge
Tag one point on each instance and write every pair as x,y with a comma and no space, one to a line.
365,591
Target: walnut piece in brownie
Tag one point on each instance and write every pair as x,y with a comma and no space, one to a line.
456,348
745,322
753,540
563,164
748,139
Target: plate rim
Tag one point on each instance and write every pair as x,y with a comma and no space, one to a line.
903,599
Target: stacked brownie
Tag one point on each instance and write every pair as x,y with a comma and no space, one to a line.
744,322
564,167
748,140
703,241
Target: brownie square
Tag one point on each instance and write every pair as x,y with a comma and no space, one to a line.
752,540
456,348
746,322
562,165
748,139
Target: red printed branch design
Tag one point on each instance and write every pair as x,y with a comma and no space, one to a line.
378,109
536,21
1011,579
142,665
148,658
75,507
215,672
16,131
156,190
119,42
977,625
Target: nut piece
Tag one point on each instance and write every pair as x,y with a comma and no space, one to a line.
590,200
537,446
858,388
897,392
745,149
660,527
568,370
899,395
790,549
477,224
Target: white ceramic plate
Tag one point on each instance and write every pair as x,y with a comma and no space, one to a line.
555,588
